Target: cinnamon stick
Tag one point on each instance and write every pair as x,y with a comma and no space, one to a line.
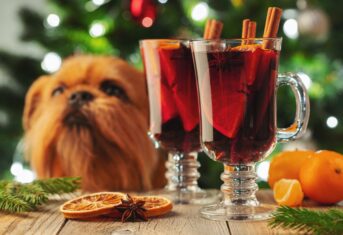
252,29
213,29
248,31
207,28
272,25
245,28
269,12
216,29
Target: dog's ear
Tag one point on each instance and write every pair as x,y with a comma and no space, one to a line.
33,99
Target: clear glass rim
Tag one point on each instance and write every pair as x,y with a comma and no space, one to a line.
270,43
165,40
170,40
236,39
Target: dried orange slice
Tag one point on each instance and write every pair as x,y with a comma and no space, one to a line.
91,205
155,205
288,192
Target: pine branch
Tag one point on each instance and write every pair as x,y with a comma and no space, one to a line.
17,197
32,194
59,185
9,203
309,221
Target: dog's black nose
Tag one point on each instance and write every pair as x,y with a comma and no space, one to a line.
80,97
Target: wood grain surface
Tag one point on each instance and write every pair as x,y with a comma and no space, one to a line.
184,219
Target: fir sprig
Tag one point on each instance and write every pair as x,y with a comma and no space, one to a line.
309,221
58,185
11,203
18,197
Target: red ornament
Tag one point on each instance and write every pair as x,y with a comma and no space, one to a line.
143,11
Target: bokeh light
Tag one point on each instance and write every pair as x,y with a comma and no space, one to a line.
51,62
147,22
332,122
262,170
305,79
98,2
200,11
290,28
97,30
21,174
53,20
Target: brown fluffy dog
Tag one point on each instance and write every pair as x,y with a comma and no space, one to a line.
90,119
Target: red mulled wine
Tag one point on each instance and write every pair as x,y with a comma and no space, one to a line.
173,92
237,90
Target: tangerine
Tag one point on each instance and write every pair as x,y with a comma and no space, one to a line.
287,164
288,192
322,177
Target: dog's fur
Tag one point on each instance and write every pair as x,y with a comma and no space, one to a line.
103,138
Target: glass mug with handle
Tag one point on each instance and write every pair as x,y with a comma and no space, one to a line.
174,116
237,85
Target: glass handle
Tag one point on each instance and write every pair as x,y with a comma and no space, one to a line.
302,113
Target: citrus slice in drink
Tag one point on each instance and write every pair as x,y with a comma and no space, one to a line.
288,192
178,73
155,205
91,205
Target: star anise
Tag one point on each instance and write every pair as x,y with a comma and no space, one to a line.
131,210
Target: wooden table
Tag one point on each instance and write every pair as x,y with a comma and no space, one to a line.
184,219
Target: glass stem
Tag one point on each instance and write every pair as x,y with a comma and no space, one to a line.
239,186
182,171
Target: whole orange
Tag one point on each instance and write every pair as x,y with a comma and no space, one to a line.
287,164
321,178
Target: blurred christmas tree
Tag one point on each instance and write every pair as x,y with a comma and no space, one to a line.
312,45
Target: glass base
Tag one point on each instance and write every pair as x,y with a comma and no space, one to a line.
237,212
186,196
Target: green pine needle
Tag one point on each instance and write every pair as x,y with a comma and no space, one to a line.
59,185
308,221
9,203
18,197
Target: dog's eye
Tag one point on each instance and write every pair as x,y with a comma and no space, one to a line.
57,91
112,89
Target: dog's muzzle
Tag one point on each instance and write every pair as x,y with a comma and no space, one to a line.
76,118
79,98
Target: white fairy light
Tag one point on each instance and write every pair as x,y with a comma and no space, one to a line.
290,28
332,122
53,20
25,176
200,11
51,62
98,2
262,170
97,30
305,79
21,174
162,1
16,168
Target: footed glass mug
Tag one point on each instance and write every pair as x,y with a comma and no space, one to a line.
237,86
174,116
